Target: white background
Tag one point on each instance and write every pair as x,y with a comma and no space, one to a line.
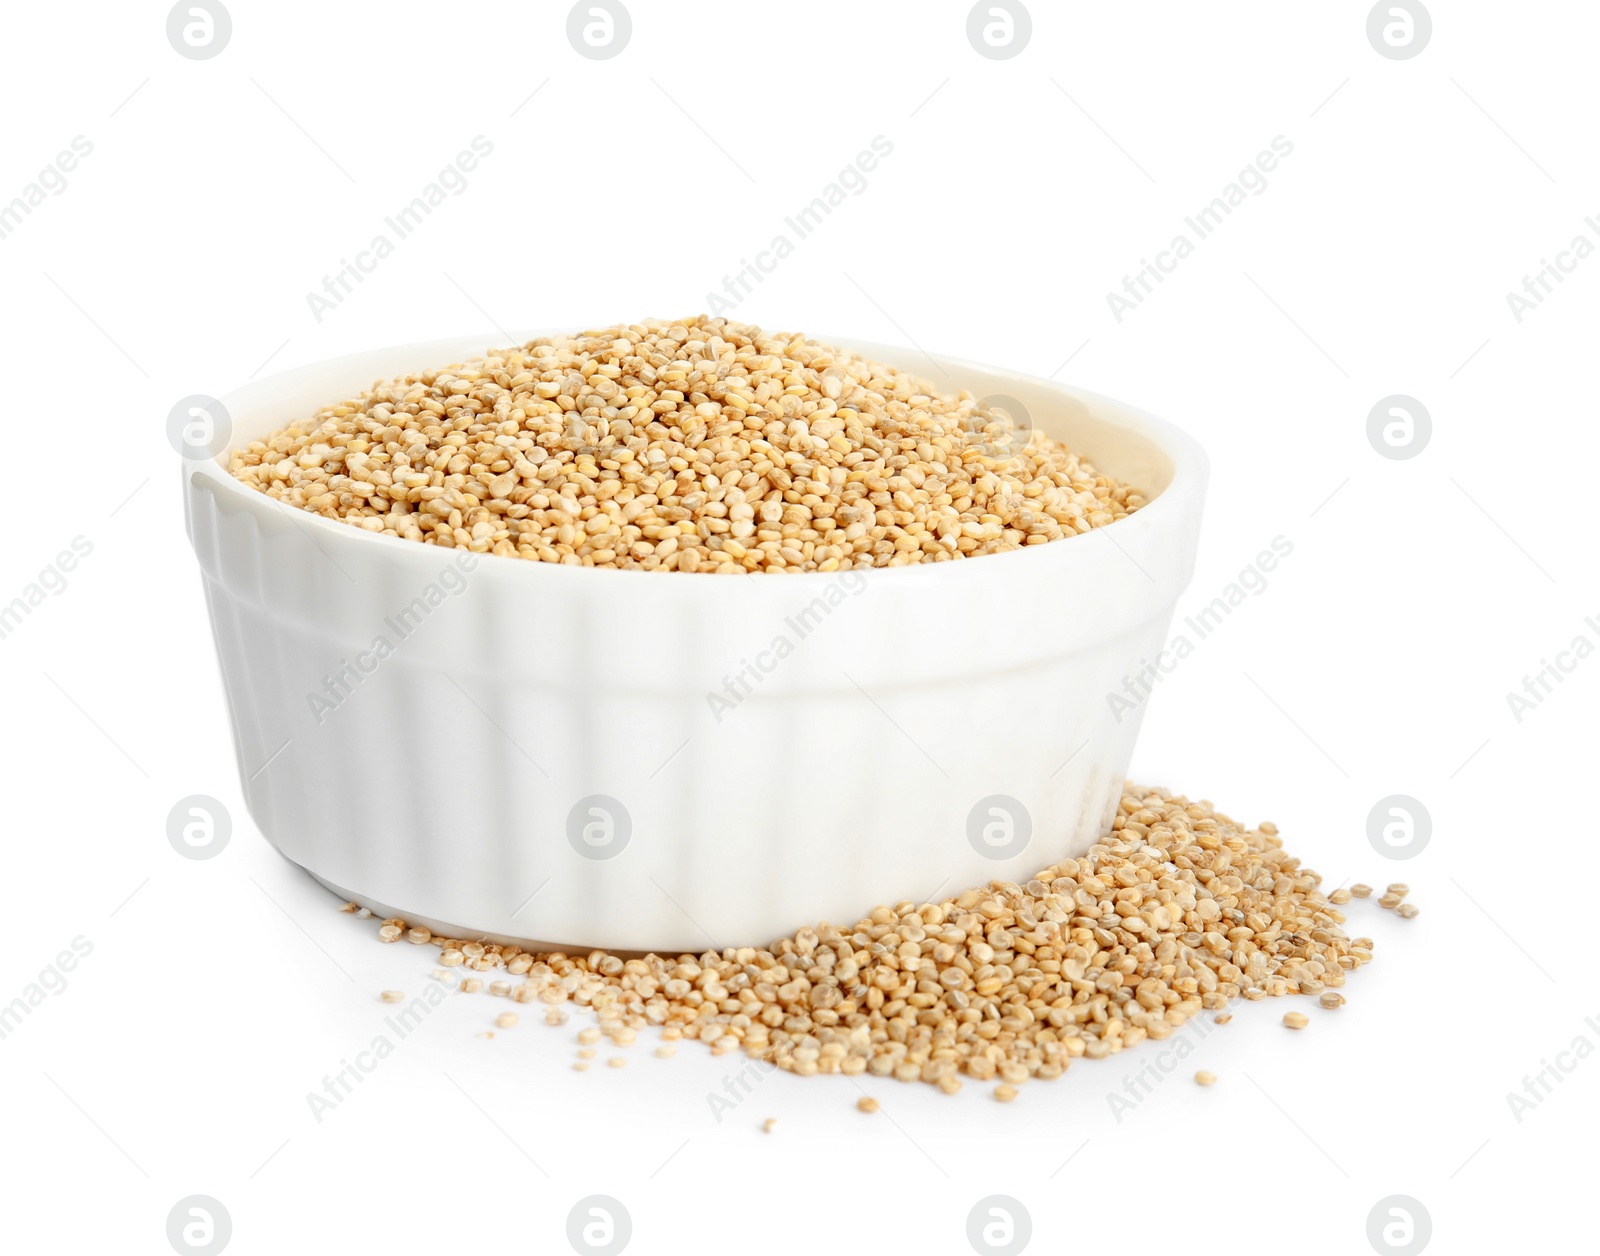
178,259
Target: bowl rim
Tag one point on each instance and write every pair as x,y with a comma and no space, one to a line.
1190,470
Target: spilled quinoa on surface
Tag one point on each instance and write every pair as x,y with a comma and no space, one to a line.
1177,911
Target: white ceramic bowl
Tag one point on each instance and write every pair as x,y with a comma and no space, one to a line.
530,752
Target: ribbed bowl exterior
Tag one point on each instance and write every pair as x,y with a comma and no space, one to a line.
645,760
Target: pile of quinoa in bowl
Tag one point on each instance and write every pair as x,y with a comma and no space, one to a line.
696,445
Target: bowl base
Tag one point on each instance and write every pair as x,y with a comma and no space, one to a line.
443,929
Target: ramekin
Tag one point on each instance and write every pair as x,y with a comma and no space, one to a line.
636,760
